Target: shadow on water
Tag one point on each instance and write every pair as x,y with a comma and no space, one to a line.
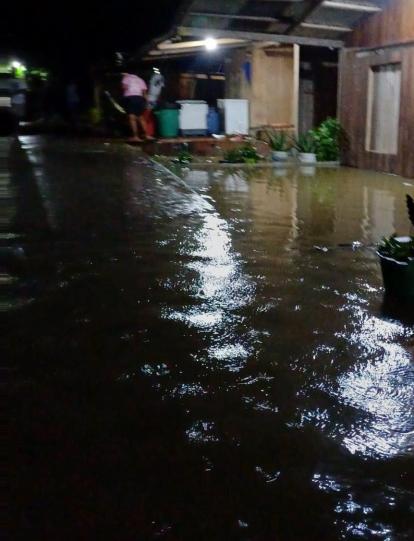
202,360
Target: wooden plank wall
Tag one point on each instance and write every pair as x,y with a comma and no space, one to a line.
237,87
272,86
394,26
272,92
353,110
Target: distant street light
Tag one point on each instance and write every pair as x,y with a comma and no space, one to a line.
19,68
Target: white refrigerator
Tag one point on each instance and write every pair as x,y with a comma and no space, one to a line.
193,117
235,115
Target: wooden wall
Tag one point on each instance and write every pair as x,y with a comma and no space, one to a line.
395,24
353,110
273,86
237,86
392,32
273,89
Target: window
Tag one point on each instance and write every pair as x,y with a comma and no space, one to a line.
383,120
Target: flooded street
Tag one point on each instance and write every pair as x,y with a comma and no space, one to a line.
204,356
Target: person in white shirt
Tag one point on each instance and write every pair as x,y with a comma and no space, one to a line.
156,85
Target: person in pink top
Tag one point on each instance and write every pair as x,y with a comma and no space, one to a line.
135,103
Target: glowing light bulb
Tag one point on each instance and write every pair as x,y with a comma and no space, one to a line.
210,44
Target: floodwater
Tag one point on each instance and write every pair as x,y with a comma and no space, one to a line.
202,357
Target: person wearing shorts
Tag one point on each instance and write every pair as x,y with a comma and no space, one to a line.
135,103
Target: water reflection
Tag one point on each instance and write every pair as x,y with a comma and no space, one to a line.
220,338
220,288
287,214
328,359
381,388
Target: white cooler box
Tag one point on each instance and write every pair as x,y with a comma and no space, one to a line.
235,114
193,117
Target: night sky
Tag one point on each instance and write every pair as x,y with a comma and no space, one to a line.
68,35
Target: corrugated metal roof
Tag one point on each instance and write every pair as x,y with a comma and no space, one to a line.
313,22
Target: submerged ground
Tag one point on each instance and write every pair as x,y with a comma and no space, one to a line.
201,357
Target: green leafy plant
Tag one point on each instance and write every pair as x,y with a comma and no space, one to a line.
329,138
184,156
232,156
394,248
245,154
400,248
306,143
279,141
249,154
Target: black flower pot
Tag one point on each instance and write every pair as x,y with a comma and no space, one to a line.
398,278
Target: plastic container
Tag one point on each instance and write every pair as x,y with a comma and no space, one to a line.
213,121
167,122
149,118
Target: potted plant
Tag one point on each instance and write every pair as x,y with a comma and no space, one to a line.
305,144
279,143
329,138
397,262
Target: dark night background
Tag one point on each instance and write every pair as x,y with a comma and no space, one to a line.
74,35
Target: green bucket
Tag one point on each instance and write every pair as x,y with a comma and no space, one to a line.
168,122
398,278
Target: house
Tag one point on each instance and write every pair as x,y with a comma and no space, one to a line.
376,104
300,61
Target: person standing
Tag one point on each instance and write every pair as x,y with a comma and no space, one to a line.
156,85
135,103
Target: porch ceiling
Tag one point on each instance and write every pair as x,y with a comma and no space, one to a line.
325,19
306,22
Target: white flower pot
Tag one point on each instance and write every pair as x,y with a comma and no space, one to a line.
279,155
307,157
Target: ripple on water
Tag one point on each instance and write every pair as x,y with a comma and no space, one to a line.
381,387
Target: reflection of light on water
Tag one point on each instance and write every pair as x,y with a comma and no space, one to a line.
352,507
214,240
233,355
202,432
220,287
30,144
188,390
383,388
229,351
155,369
268,477
357,519
196,318
219,273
